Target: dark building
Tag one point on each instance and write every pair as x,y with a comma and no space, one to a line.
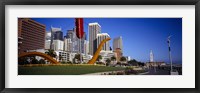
58,35
31,35
70,34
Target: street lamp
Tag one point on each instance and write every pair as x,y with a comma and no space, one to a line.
168,41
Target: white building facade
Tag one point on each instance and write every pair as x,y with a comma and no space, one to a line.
94,29
107,55
47,40
58,45
67,45
86,47
101,37
63,56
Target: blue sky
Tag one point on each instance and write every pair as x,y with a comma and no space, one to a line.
139,35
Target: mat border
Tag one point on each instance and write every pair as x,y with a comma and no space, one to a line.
3,3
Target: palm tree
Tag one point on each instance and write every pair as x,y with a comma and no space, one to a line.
51,53
113,58
108,62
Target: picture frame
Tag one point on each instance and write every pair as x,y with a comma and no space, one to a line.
98,2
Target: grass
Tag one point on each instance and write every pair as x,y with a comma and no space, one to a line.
64,70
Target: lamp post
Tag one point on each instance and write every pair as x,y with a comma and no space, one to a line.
168,41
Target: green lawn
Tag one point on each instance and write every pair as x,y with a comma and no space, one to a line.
64,70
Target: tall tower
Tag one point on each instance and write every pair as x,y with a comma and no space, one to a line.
47,40
101,37
67,44
151,56
55,32
94,29
75,41
117,43
86,47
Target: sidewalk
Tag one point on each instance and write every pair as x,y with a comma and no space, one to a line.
102,73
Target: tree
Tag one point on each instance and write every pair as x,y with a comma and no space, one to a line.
23,60
122,59
34,61
140,64
51,53
69,62
99,58
133,62
108,62
77,56
113,58
63,62
41,61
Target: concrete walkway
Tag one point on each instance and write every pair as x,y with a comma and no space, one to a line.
106,73
102,73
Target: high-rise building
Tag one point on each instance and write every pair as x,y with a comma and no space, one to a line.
47,40
117,43
82,48
70,34
94,29
151,56
58,45
79,43
32,34
67,44
56,34
76,42
101,37
86,47
48,35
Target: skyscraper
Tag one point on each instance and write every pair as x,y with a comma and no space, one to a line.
67,44
101,37
86,47
58,45
33,34
47,40
94,29
117,43
76,42
70,34
56,34
48,35
151,56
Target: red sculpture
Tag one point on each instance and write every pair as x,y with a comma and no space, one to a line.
79,27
